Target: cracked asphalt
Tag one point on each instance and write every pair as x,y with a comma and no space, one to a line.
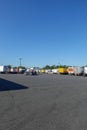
43,102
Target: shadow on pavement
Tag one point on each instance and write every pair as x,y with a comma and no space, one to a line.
6,85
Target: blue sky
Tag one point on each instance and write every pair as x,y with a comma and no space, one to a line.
43,32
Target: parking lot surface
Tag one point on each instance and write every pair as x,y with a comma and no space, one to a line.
43,102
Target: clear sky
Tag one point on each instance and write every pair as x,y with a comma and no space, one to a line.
43,32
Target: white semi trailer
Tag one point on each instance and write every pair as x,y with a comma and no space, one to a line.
85,71
78,70
3,69
55,71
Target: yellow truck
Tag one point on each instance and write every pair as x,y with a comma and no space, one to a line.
63,70
42,71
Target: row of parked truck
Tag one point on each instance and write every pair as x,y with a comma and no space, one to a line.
6,69
74,70
27,71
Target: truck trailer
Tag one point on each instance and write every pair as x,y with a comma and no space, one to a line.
85,71
3,69
62,70
78,70
70,70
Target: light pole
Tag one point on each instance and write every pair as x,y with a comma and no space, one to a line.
20,60
59,64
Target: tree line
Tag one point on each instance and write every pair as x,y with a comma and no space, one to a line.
45,67
54,66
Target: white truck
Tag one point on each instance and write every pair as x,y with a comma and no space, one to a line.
3,69
55,71
85,71
78,70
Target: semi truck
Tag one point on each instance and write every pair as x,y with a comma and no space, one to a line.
85,71
78,70
63,70
70,70
3,69
55,71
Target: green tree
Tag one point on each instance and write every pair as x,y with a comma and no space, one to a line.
9,66
22,67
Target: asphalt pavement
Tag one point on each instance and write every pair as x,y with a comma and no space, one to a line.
43,102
